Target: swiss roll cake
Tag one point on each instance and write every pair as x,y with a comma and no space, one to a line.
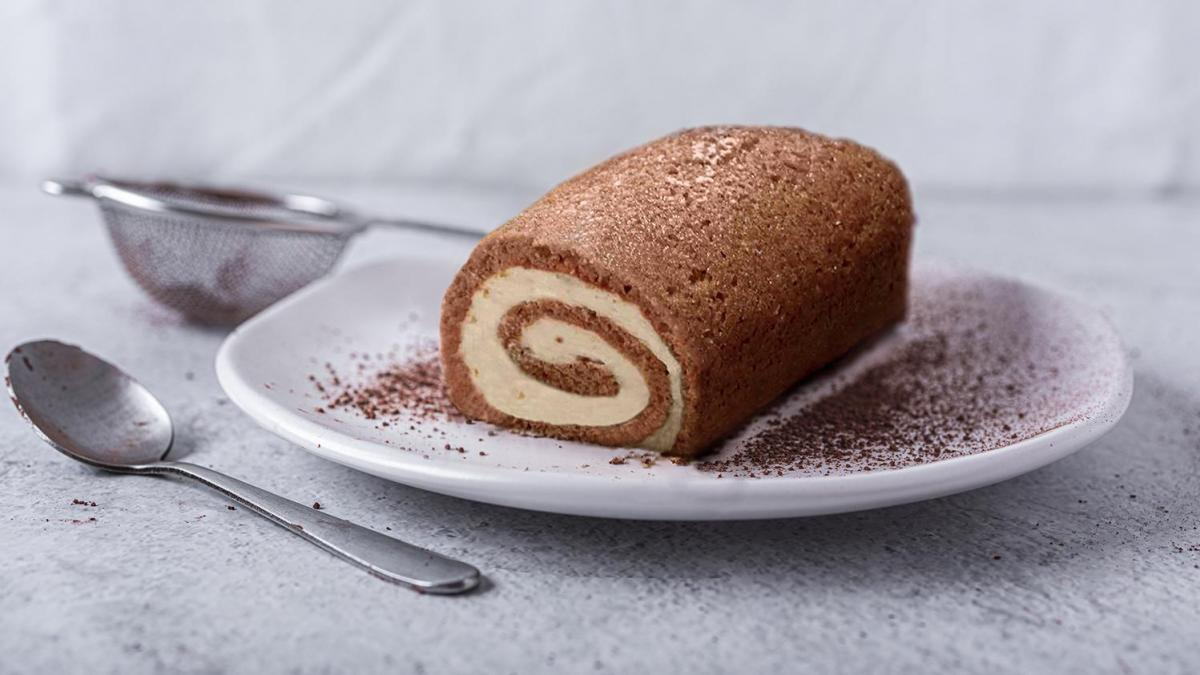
663,297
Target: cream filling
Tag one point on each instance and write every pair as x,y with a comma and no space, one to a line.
510,390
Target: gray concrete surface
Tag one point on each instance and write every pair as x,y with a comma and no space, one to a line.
1089,565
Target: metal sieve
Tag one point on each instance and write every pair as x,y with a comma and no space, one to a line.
219,255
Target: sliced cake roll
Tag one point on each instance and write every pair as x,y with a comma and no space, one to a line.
661,298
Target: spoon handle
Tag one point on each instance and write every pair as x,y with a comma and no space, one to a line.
383,556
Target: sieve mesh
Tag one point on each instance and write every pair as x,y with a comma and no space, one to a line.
214,270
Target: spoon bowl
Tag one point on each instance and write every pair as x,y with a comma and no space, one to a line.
88,408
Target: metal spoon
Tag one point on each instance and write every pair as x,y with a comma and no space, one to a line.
91,411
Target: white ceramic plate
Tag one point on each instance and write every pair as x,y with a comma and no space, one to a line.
264,367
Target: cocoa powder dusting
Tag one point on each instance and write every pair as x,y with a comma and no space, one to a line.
973,368
979,363
408,385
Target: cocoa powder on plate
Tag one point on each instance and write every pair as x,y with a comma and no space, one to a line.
975,366
407,386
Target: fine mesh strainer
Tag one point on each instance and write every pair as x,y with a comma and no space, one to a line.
221,255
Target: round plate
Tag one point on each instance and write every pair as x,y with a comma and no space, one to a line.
269,364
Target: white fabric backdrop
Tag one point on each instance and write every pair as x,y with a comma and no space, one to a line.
971,96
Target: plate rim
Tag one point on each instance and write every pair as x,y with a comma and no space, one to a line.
866,490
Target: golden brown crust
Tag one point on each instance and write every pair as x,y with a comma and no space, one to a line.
758,253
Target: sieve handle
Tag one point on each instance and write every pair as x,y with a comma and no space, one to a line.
426,226
77,188
70,188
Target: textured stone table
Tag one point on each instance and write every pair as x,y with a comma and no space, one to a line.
1091,564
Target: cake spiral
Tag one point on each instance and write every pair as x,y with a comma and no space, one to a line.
661,298
547,348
